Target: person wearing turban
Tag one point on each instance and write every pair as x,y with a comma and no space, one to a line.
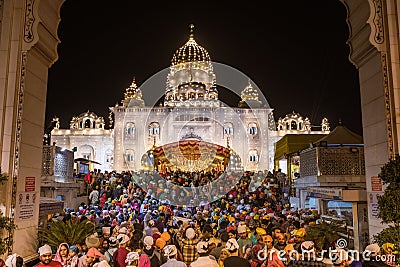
170,253
298,239
46,257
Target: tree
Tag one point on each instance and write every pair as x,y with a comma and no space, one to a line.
7,225
71,232
389,210
325,233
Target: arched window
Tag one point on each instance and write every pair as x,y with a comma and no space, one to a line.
253,129
253,155
109,159
293,125
130,129
228,129
86,151
129,155
154,129
87,123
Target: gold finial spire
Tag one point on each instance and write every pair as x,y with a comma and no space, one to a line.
191,27
131,90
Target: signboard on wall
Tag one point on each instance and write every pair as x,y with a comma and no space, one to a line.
30,184
325,193
376,184
26,202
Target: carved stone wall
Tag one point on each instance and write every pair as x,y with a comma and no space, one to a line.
28,47
374,50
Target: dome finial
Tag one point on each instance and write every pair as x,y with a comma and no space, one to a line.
191,27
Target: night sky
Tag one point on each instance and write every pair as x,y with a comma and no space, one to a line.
295,52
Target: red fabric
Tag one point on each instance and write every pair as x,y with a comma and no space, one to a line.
87,178
51,264
119,257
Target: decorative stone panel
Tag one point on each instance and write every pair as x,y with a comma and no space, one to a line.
308,163
341,161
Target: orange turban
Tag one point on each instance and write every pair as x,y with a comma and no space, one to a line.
165,236
160,243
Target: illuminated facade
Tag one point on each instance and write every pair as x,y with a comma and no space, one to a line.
190,110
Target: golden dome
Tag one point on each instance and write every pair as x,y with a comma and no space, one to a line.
190,52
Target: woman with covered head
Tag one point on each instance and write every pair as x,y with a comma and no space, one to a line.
91,258
224,254
62,254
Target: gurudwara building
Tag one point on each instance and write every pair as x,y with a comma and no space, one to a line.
190,130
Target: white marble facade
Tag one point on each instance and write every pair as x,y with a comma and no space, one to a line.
191,109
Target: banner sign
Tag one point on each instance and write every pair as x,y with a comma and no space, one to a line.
325,193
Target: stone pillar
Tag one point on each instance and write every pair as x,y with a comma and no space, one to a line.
28,47
374,48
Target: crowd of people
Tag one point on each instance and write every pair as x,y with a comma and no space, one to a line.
194,219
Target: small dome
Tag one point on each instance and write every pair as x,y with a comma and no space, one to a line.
87,120
249,93
190,52
294,116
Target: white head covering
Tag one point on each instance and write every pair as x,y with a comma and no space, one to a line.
241,229
374,249
132,256
307,245
92,241
190,233
113,241
103,263
202,247
45,249
122,238
123,230
232,244
170,250
106,230
11,260
148,241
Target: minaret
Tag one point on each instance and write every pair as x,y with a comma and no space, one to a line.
133,96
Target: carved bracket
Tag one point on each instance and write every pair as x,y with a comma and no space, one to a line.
376,21
29,21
